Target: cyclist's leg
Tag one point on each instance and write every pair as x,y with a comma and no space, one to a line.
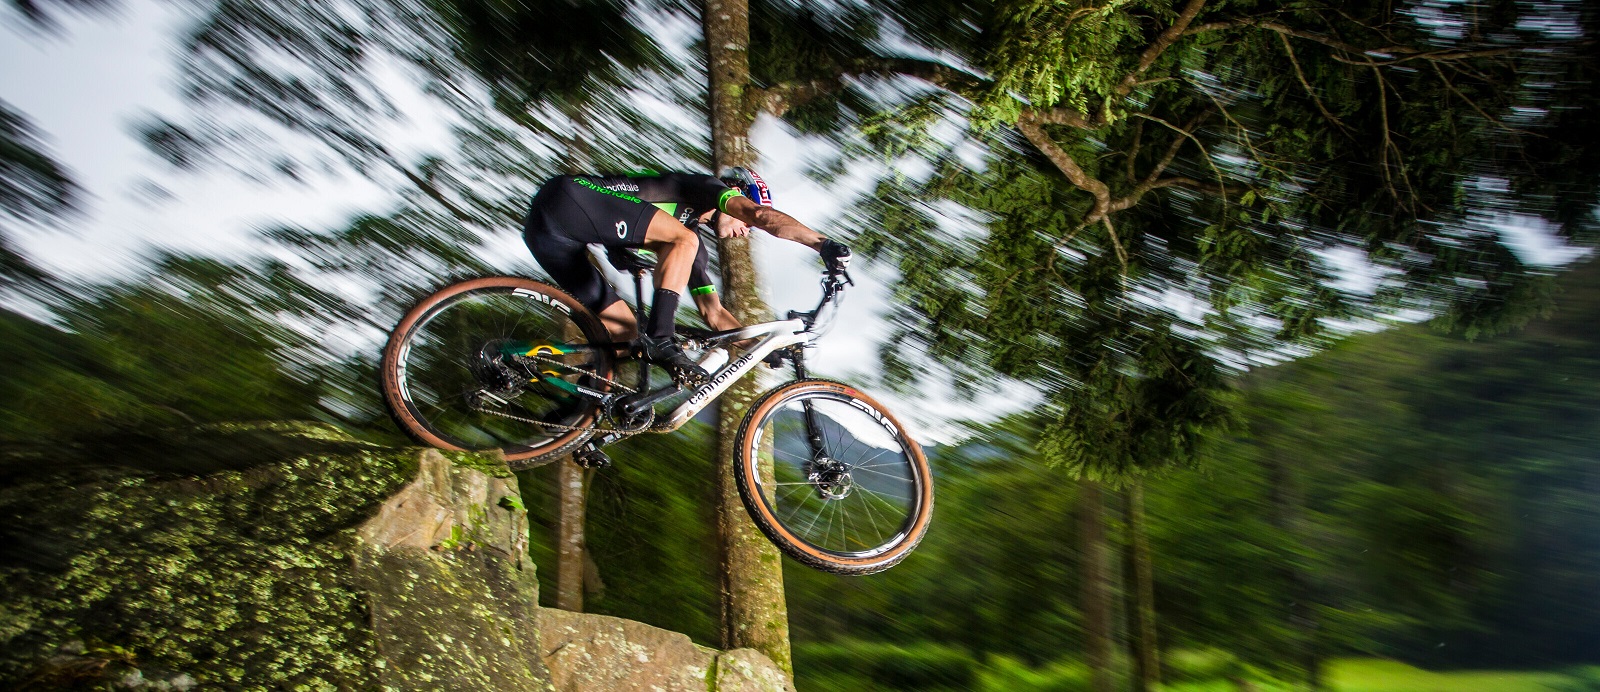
557,231
619,322
578,209
676,246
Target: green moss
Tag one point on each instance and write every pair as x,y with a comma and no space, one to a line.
491,463
239,577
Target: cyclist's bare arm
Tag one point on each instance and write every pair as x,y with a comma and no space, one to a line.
739,212
775,222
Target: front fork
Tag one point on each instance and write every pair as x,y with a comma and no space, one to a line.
813,425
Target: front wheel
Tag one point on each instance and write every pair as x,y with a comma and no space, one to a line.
832,478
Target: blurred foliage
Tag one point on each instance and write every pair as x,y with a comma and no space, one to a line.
1418,495
1185,201
861,665
1147,195
648,530
34,189
1448,491
46,14
191,341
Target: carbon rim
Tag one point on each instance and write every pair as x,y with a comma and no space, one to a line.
858,497
440,376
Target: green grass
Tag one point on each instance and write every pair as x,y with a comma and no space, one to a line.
1380,675
1343,675
1377,675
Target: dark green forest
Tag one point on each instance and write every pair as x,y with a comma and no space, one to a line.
1406,493
1440,497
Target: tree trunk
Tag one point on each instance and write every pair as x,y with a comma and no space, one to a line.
1141,577
569,535
573,564
1096,587
754,614
1286,513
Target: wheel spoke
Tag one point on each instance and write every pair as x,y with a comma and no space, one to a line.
443,354
866,507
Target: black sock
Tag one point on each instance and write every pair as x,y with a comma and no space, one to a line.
662,311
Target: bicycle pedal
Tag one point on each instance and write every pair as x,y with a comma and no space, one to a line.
591,459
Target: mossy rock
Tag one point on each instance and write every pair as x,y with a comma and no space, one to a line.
262,556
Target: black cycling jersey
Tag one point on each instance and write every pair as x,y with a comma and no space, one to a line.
570,212
683,195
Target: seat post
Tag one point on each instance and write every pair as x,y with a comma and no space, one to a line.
638,298
639,326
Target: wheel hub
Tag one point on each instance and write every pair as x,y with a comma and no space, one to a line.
831,478
489,368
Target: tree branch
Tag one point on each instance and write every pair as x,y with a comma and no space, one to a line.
1032,127
433,192
1496,121
1221,187
936,73
1160,45
1133,151
1185,134
1150,181
1065,116
1388,142
1289,50
779,99
1116,244
1365,55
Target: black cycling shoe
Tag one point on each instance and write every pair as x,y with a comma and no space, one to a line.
668,354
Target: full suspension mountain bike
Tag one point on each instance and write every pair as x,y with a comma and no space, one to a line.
828,474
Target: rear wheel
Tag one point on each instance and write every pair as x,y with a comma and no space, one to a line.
497,363
832,478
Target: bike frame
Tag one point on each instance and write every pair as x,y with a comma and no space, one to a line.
774,336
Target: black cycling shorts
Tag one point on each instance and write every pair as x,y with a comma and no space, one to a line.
568,214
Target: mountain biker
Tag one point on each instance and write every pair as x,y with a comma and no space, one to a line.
655,210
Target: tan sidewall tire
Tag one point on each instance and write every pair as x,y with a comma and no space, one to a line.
586,321
794,546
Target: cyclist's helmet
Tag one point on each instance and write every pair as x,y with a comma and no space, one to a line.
746,181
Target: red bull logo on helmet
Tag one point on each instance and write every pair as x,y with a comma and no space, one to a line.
756,189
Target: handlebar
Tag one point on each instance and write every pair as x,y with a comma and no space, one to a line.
834,282
833,285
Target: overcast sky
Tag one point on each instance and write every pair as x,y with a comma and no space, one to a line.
85,87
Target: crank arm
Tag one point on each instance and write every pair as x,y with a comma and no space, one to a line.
651,399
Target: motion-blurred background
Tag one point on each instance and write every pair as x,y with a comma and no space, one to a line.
1253,344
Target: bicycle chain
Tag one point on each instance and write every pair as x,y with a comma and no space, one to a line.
559,426
558,363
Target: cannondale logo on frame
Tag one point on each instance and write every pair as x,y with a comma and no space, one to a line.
622,229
